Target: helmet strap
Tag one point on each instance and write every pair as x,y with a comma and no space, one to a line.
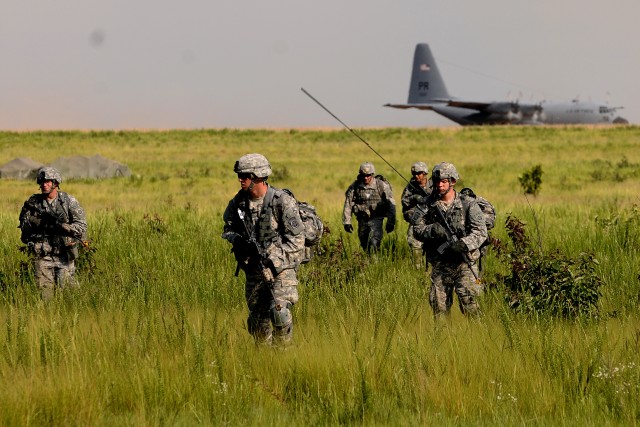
255,180
449,188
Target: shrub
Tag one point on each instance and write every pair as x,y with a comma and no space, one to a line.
552,284
531,180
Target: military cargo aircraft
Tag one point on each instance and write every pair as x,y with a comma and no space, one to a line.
428,92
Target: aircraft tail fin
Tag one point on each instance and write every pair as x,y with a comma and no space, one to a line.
426,82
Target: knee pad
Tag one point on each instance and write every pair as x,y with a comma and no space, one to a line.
281,318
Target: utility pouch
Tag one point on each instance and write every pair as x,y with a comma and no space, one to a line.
71,248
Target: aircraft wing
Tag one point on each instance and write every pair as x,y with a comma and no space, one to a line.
471,105
420,106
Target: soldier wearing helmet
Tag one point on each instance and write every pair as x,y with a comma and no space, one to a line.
263,224
452,229
370,199
52,225
415,194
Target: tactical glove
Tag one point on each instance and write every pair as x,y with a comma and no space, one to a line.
459,246
65,228
390,226
438,231
348,228
241,249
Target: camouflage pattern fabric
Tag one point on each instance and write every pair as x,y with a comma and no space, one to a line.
370,204
48,172
260,301
52,232
54,272
254,163
370,234
452,272
412,196
281,239
468,225
447,278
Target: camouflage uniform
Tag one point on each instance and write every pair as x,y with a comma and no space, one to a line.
370,204
413,195
53,230
451,271
278,231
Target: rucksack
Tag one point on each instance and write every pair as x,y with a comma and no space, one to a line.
486,207
313,227
379,180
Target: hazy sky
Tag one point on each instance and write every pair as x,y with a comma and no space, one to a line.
124,64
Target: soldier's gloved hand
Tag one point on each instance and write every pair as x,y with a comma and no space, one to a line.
459,246
66,228
390,226
348,228
438,231
241,248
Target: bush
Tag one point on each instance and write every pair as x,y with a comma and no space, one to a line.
531,180
552,284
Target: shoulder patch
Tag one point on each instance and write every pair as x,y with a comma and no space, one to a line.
293,222
478,216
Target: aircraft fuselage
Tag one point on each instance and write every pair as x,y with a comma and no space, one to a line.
574,112
427,91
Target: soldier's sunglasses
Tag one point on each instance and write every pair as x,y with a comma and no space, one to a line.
244,176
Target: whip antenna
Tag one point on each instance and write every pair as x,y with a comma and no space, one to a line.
354,133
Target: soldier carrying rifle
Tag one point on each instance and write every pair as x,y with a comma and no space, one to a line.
264,226
53,225
452,228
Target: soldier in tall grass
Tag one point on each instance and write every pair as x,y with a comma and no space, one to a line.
414,194
52,224
370,199
263,224
452,229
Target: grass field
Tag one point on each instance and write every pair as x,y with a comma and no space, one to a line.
156,334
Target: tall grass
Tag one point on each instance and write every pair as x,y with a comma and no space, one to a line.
156,333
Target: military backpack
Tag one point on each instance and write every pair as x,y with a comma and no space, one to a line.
313,227
488,211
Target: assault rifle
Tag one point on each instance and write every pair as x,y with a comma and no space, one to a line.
44,222
451,239
256,252
52,222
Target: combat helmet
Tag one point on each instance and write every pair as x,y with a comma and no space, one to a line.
48,173
419,167
367,168
256,164
444,171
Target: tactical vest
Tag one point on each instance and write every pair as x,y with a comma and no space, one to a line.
263,230
456,218
409,202
41,241
367,200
